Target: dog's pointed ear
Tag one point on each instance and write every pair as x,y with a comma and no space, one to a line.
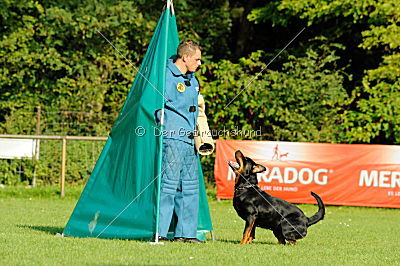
258,168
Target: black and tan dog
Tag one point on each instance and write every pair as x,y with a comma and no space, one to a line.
259,209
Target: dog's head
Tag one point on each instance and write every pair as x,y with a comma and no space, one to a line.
246,169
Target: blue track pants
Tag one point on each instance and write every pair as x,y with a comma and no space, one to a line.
179,188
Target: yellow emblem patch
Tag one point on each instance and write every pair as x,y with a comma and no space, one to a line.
180,87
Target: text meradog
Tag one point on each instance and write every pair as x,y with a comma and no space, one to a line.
291,175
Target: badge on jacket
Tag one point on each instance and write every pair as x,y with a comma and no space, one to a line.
180,87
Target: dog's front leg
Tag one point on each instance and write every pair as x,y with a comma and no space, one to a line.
244,240
252,235
278,234
247,230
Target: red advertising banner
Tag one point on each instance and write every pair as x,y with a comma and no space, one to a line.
341,174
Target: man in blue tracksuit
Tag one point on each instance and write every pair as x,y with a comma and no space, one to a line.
180,185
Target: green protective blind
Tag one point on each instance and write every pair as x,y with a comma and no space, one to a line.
120,199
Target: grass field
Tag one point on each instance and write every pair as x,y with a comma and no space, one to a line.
30,218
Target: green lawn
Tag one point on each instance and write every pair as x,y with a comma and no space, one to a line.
349,235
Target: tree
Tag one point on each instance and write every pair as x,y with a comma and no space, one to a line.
370,33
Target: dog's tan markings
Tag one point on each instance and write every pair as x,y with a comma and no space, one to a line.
293,242
258,168
252,234
247,233
237,177
239,160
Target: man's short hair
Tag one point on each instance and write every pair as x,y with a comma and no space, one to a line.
188,47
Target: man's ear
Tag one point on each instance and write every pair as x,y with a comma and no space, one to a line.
258,168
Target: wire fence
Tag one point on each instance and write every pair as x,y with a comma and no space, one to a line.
81,156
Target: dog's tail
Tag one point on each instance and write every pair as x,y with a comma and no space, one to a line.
319,215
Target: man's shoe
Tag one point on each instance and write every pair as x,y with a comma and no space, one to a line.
194,241
164,239
179,239
188,240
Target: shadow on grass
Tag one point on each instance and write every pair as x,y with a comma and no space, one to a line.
52,230
255,242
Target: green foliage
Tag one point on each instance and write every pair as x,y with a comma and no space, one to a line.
372,116
54,57
52,54
40,192
378,100
300,102
315,11
375,118
208,22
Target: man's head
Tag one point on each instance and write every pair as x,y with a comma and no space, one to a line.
190,54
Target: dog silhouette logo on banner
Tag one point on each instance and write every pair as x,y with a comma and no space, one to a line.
278,156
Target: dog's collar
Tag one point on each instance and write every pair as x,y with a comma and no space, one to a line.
243,187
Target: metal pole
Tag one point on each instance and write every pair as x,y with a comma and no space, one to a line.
63,162
213,236
159,164
37,146
170,6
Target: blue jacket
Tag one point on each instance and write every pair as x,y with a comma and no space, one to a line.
181,104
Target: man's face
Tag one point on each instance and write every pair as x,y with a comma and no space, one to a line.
193,61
